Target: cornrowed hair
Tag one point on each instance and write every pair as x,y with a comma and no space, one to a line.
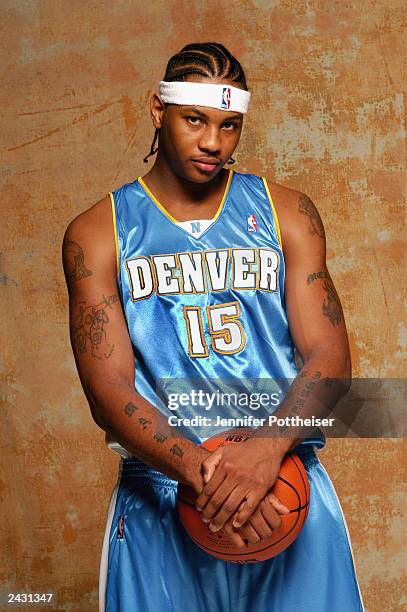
211,60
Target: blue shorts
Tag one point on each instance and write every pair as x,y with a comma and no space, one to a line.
149,563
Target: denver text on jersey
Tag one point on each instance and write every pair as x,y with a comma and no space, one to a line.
251,268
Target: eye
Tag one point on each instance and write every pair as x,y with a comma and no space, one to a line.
193,120
230,125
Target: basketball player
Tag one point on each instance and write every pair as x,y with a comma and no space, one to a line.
196,271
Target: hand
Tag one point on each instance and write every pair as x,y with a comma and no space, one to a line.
234,474
261,524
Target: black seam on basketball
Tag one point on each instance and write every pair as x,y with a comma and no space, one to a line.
291,487
293,458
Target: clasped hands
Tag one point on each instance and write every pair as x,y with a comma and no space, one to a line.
236,496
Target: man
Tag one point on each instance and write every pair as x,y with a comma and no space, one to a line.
197,272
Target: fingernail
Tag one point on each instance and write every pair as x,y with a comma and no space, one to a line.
213,527
236,524
205,520
285,510
198,508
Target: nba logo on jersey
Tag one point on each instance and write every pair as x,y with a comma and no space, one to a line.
225,97
252,223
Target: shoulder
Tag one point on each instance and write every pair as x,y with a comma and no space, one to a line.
94,219
298,216
91,231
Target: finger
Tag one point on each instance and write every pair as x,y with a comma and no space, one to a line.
234,535
221,513
270,514
210,488
249,533
216,501
252,501
210,464
277,504
259,525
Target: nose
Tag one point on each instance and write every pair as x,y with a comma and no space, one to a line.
210,140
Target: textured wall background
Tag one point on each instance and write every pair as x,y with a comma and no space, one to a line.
327,118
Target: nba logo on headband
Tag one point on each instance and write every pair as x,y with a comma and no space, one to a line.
213,95
225,98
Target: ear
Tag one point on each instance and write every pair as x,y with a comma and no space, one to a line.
157,108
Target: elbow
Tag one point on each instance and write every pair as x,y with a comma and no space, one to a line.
98,419
344,373
94,405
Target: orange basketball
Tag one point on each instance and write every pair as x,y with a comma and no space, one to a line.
291,487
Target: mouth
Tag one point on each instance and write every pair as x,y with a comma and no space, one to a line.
206,165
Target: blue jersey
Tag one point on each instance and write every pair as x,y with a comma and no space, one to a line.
206,308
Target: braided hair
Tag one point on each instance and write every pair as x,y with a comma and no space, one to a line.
210,60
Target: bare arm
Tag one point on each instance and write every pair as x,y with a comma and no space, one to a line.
238,473
315,318
104,355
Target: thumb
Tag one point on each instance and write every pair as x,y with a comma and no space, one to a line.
210,464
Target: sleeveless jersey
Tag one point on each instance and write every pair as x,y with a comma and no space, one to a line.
205,313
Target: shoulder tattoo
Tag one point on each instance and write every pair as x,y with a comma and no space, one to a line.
75,264
307,207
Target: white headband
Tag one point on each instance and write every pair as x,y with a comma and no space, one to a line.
223,97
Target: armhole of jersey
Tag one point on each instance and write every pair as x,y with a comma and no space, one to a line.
273,211
115,232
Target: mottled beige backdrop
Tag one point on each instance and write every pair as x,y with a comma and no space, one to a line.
327,117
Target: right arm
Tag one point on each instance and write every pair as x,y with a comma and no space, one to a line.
104,354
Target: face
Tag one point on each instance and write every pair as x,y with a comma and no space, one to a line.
196,141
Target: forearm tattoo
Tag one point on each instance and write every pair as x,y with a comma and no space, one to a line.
75,265
160,437
130,409
89,330
315,275
304,391
144,422
331,308
307,207
176,450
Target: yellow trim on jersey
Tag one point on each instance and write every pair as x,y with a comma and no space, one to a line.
274,211
115,232
165,211
224,195
152,196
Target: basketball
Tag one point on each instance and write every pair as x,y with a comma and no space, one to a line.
291,487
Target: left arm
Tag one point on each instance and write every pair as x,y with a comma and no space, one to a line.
317,326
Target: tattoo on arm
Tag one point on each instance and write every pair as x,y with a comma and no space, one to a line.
130,409
303,390
176,450
160,437
90,328
332,308
75,265
307,207
144,422
315,275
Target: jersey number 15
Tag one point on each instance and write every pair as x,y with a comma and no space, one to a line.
225,330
